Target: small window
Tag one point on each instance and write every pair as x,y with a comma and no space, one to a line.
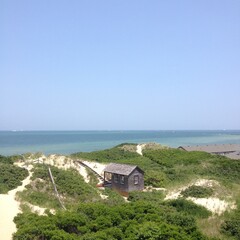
122,179
115,178
136,180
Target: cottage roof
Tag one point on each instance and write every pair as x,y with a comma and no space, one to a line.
123,169
217,148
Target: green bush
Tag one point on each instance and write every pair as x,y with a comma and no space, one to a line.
170,157
197,192
108,155
136,220
182,166
6,160
155,178
190,208
231,226
224,168
153,197
11,177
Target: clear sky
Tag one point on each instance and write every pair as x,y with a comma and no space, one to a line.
106,65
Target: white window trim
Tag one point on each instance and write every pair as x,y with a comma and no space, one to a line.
122,179
136,179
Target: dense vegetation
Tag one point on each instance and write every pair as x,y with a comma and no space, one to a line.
180,166
197,192
147,215
109,155
136,220
231,226
6,160
11,176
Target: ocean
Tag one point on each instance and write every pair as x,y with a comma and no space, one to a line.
67,142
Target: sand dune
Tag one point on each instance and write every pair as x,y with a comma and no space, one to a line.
213,204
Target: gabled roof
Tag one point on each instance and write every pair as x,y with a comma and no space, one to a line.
122,169
217,148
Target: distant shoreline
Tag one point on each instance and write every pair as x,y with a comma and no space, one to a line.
130,130
67,142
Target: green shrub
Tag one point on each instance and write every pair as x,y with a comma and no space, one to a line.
11,177
190,208
154,196
231,226
135,220
225,169
6,160
197,192
169,157
155,178
181,166
108,155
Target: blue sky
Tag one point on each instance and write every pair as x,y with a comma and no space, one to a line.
106,65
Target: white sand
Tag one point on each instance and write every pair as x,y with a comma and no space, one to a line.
206,183
140,148
97,167
9,208
151,188
215,205
39,210
175,193
59,161
103,196
82,171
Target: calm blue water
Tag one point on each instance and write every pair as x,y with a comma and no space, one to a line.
66,142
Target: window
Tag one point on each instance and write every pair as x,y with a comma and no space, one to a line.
136,179
122,179
115,176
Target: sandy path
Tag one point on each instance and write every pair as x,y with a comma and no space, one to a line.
139,148
9,208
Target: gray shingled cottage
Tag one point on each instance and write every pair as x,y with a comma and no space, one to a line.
124,178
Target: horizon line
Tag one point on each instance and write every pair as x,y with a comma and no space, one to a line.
112,130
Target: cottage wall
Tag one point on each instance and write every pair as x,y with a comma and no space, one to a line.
120,182
135,181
